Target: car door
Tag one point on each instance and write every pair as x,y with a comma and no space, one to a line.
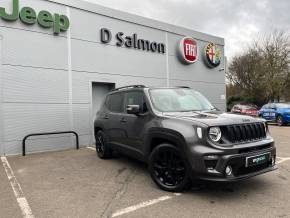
265,112
134,124
272,111
112,115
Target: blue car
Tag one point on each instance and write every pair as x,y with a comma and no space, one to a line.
278,112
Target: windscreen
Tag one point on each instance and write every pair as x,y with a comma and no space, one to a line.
248,107
179,100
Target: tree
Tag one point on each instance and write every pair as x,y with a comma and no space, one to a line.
245,72
262,72
275,49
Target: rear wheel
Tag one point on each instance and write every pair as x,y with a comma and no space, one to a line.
101,146
168,168
280,120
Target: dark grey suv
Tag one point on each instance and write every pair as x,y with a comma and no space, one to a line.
182,136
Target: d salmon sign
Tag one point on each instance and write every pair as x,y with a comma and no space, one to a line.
188,50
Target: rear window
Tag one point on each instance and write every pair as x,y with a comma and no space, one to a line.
248,107
115,102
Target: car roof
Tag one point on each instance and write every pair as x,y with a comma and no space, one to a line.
142,87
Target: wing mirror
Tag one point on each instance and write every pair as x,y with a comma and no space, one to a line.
133,109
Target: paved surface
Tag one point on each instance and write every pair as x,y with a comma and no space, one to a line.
78,184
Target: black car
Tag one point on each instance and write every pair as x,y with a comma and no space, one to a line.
182,137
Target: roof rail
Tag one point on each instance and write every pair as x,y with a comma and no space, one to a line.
128,87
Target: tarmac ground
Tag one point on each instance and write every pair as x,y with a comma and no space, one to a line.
76,183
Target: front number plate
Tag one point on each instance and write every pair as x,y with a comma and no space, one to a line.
257,159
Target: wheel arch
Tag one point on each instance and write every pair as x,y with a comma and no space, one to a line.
279,114
159,136
97,127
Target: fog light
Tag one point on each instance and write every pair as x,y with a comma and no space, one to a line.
199,132
273,161
229,170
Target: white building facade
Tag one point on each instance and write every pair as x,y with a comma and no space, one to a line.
59,58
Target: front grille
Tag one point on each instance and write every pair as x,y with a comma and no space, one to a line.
254,149
239,168
246,170
245,132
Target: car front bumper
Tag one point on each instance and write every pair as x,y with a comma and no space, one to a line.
210,164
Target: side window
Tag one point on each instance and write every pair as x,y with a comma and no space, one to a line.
136,98
271,106
115,103
265,106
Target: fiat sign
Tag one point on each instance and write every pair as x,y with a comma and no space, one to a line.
187,50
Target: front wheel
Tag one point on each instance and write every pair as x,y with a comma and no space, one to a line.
280,120
101,146
168,168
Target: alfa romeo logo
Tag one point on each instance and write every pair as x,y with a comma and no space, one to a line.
213,54
187,50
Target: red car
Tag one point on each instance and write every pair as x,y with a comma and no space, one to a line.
246,109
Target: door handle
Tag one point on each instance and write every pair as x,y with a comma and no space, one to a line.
106,117
123,120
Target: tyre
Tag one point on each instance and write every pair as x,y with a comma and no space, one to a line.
279,120
168,168
101,146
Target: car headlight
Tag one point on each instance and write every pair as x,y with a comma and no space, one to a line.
215,134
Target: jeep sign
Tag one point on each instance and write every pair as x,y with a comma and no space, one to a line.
187,50
59,23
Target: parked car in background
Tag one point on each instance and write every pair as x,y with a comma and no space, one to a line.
277,112
246,109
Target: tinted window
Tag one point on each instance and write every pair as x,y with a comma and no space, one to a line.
136,98
247,107
271,106
266,106
115,103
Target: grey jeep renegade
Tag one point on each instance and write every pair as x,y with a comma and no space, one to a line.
182,137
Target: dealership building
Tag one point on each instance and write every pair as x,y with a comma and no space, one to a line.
58,58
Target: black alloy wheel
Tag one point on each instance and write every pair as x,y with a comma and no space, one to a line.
280,121
102,149
168,168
